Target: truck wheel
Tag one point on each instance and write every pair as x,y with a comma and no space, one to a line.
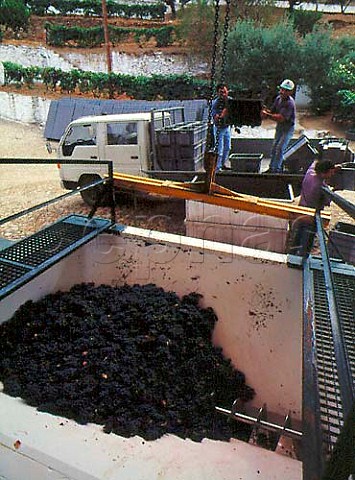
91,195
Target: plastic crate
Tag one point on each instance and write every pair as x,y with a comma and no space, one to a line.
300,156
191,134
245,111
185,164
336,150
246,162
193,151
165,137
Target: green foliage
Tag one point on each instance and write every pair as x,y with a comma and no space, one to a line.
196,25
30,75
50,76
13,73
14,14
259,56
318,54
19,75
153,11
60,35
304,21
344,45
342,76
168,87
346,109
342,73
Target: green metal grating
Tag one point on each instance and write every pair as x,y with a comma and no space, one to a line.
23,260
331,410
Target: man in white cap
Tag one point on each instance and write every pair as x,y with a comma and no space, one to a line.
283,112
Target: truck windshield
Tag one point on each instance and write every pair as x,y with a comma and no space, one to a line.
123,133
79,135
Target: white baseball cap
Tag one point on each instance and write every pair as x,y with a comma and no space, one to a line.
287,84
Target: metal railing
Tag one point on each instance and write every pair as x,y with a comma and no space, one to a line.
328,356
34,161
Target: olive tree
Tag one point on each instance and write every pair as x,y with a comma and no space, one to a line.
259,58
319,52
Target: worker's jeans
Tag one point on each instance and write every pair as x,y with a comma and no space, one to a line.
222,138
303,230
281,141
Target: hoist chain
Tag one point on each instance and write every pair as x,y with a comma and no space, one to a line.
213,72
225,41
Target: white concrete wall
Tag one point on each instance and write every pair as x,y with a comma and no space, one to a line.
22,108
236,227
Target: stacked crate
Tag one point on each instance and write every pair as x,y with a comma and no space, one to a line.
190,145
337,150
181,146
165,149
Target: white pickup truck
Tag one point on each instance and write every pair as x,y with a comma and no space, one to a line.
137,143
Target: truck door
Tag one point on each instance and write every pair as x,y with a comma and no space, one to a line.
122,147
81,141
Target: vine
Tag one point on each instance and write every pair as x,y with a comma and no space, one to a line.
153,11
61,35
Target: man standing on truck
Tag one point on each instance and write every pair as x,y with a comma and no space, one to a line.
283,112
221,126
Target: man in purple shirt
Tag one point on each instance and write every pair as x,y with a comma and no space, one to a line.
283,112
312,196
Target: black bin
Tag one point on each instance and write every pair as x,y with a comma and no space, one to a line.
344,179
299,156
246,162
341,243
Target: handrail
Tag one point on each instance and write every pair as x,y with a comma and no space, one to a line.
38,161
346,385
344,204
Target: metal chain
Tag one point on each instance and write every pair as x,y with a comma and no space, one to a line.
225,41
213,73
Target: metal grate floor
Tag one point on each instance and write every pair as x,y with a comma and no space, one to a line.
27,258
331,410
10,273
41,246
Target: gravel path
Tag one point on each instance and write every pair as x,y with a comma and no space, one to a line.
23,186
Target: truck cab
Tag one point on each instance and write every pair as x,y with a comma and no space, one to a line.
140,144
124,139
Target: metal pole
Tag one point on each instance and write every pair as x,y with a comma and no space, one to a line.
347,392
312,439
344,204
271,427
107,37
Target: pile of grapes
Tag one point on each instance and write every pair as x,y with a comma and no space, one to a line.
136,359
